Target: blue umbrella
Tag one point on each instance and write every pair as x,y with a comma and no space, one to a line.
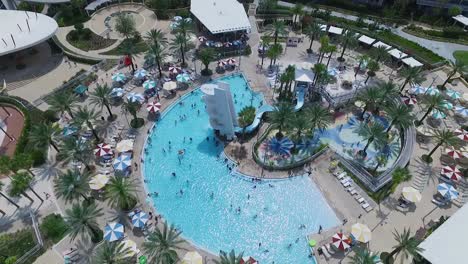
80,89
149,84
183,78
118,77
122,162
461,110
281,146
135,97
117,92
140,73
447,191
140,219
418,89
113,231
453,94
306,145
333,72
69,130
432,91
437,114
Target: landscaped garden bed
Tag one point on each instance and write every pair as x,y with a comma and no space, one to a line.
85,39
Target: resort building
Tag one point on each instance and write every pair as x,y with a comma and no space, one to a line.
443,4
220,108
12,5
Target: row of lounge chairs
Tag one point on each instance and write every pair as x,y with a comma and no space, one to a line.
348,184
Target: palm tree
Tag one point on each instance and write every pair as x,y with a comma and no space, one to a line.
276,29
389,92
161,245
432,102
363,256
380,53
372,132
72,185
265,43
347,40
362,59
281,117
82,221
399,115
321,74
274,52
101,96
372,67
111,253
63,102
156,37
459,66
370,97
75,150
87,116
231,258
386,151
444,137
43,134
6,197
206,56
120,193
407,245
411,75
132,108
300,124
19,183
330,49
313,31
179,44
297,11
157,54
125,25
129,49
319,118
245,117
324,43
184,26
401,175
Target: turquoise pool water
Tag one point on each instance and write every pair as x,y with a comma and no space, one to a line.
217,210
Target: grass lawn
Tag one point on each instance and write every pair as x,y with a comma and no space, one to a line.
95,42
461,55
140,47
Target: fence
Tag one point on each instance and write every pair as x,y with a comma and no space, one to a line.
39,241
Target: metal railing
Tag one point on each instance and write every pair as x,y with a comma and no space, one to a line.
39,241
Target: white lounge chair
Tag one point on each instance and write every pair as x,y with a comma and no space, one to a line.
353,192
365,205
330,249
346,179
368,209
341,176
347,184
361,200
325,253
357,197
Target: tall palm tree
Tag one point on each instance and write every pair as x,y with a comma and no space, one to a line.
206,56
111,253
386,151
363,256
19,183
63,102
362,58
373,133
321,74
331,49
101,96
42,135
319,117
155,37
274,52
312,32
125,25
380,53
231,258
6,197
156,53
432,102
444,137
82,221
297,11
401,175
277,29
324,43
370,97
85,115
281,117
178,45
372,67
459,66
131,108
411,75
161,245
389,92
121,193
184,27
347,40
407,245
72,185
75,150
265,43
399,115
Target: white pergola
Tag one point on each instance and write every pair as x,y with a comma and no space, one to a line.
381,44
397,54
461,19
335,30
303,75
411,62
366,40
20,30
220,16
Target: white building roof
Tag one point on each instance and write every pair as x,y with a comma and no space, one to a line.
381,44
220,16
462,19
16,35
302,75
335,30
366,40
397,54
93,5
447,244
48,1
410,61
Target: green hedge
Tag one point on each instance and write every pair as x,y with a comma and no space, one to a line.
17,244
53,228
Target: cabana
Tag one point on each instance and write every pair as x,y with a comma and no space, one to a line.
397,54
366,40
462,20
335,30
411,62
381,44
302,75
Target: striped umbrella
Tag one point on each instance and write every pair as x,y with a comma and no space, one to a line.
202,39
227,44
455,153
409,100
221,63
340,241
140,73
417,89
129,246
174,69
447,105
461,110
135,97
462,134
153,107
149,84
122,162
69,130
194,257
361,232
451,172
113,231
117,92
411,194
231,61
432,91
437,114
98,181
119,77
102,149
140,219
453,94
183,78
447,191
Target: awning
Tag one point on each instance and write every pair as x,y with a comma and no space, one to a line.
410,61
366,40
335,30
302,75
381,44
462,19
397,54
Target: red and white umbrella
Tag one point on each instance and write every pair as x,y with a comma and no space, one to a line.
231,61
409,100
153,107
341,241
455,153
452,173
202,39
227,44
462,134
221,63
248,260
103,149
174,69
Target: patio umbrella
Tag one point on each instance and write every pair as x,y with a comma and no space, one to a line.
131,246
140,219
102,149
461,110
281,146
248,260
173,25
227,44
122,162
98,181
408,100
80,89
453,94
411,194
118,77
177,18
447,191
332,72
359,104
124,145
174,69
169,86
117,92
135,97
192,257
231,61
221,63
113,231
437,114
451,172
149,84
447,105
202,39
462,134
340,241
218,44
69,130
418,89
465,96
153,107
140,73
361,233
454,153
432,91
183,78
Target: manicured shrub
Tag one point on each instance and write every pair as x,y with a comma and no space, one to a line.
53,227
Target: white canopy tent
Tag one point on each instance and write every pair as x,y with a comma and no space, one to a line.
366,40
335,30
397,54
462,19
412,62
381,44
220,16
303,75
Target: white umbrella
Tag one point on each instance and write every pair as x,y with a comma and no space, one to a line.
169,86
117,92
453,94
131,246
417,89
192,257
447,191
98,181
361,232
174,69
411,194
461,110
135,97
177,18
140,73
432,91
124,145
447,105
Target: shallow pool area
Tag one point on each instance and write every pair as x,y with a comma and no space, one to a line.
217,210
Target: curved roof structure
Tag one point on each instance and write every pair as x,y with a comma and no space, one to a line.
48,1
21,30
